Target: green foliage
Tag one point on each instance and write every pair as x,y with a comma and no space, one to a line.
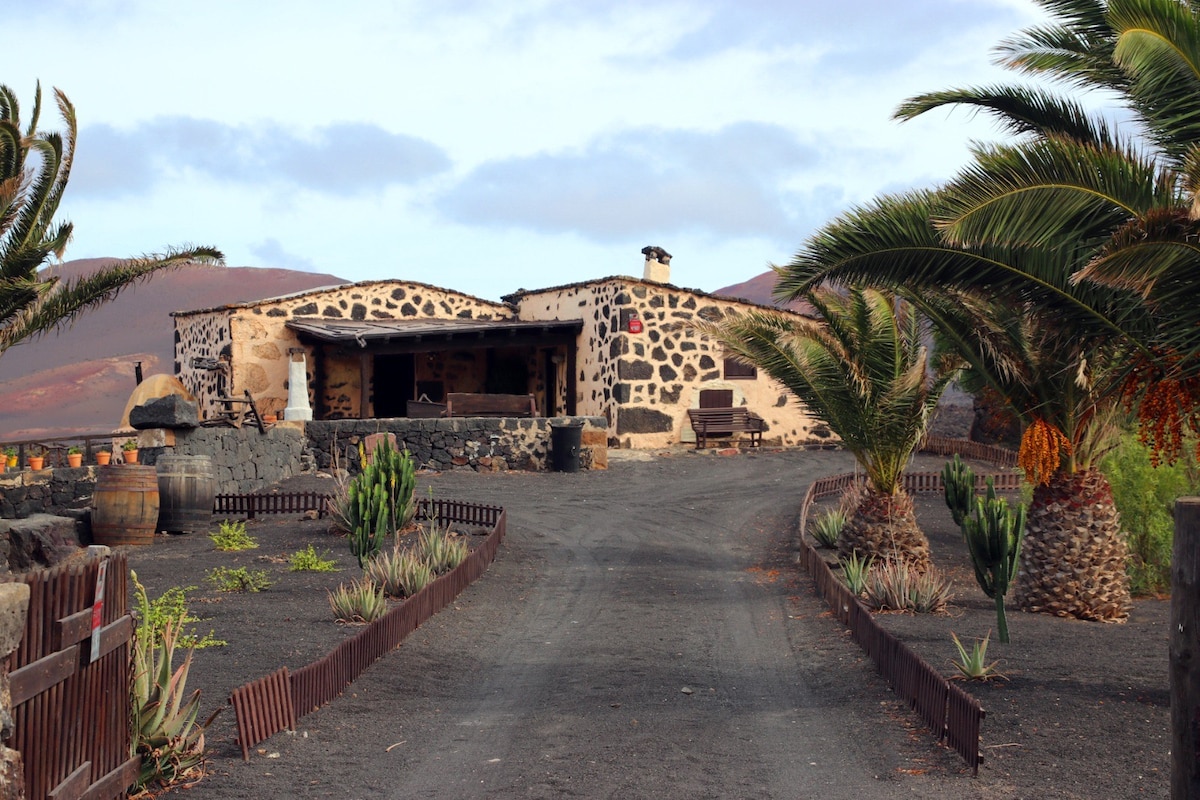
993,534
861,367
973,665
854,572
232,537
171,607
307,560
400,572
1145,495
35,166
896,585
165,732
958,483
359,603
439,550
379,500
239,579
825,528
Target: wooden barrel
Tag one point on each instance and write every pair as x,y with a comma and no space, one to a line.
187,489
125,505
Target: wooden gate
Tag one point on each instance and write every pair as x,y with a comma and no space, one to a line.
70,683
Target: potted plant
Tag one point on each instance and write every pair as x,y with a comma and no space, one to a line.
103,457
10,457
37,458
74,457
129,451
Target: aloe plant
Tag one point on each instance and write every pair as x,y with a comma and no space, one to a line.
994,533
379,500
166,734
958,483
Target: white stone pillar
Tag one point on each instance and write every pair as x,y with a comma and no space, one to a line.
298,406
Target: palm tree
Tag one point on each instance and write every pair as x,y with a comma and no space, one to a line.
1131,203
860,368
34,169
1002,311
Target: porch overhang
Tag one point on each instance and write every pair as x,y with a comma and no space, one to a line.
387,336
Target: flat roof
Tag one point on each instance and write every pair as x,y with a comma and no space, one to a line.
436,332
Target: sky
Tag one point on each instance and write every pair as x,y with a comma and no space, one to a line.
491,146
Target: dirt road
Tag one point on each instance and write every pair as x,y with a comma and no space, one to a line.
641,635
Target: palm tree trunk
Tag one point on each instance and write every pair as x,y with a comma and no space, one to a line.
1074,555
884,527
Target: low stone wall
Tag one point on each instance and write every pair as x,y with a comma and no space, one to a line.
477,443
54,491
245,459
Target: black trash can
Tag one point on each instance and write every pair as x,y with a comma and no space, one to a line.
565,441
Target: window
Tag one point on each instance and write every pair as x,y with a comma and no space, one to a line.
737,371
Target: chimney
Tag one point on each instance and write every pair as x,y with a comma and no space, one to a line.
658,264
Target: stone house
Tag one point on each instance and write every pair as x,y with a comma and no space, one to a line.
620,348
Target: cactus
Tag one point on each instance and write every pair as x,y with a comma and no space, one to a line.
958,482
380,500
994,533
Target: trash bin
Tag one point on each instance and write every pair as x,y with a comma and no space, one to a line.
565,440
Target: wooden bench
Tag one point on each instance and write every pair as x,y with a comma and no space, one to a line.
462,404
711,422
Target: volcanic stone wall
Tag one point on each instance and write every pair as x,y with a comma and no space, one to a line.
476,443
643,383
259,340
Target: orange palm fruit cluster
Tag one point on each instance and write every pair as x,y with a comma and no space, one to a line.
1042,446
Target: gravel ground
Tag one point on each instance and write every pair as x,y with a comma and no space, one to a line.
645,632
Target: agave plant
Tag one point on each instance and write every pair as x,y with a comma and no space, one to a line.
439,551
400,572
166,734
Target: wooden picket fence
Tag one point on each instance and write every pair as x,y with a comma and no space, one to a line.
70,702
274,702
950,712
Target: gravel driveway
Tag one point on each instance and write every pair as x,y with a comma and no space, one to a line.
642,634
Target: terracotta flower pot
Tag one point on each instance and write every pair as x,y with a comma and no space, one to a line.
74,460
130,456
37,462
103,457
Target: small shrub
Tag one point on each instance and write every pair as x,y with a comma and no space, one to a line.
359,603
828,526
897,586
239,579
973,666
1145,495
171,607
439,550
232,537
307,560
854,572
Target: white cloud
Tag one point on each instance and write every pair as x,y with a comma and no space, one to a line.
464,143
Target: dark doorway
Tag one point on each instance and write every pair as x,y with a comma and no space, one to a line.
394,385
507,374
551,382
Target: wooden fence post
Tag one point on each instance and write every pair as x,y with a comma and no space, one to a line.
14,606
1185,651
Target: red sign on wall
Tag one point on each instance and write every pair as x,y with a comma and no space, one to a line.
635,325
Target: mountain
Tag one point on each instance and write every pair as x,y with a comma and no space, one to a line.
758,290
78,379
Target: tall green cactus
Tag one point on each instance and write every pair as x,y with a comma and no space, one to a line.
381,499
958,482
994,534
